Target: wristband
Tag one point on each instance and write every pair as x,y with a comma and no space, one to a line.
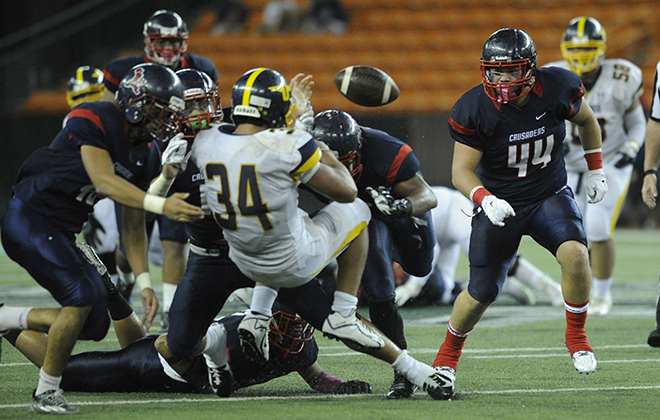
594,158
478,194
160,186
153,203
650,172
144,281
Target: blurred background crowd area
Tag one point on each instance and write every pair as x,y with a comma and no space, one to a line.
431,48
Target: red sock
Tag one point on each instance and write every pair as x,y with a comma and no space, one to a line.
450,351
576,318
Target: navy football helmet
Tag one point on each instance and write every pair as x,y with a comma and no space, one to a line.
584,44
165,38
151,98
342,134
290,333
85,86
202,102
265,95
509,52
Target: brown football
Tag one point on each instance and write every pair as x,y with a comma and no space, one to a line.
366,86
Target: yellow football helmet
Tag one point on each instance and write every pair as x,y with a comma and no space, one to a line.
85,86
583,45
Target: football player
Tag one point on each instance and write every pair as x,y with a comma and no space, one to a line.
613,90
262,110
451,223
137,367
508,160
649,188
104,150
165,43
86,85
386,172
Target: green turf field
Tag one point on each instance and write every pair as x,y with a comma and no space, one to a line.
514,365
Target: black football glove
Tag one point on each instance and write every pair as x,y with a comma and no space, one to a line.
353,387
386,204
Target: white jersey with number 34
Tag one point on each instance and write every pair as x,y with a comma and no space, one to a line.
251,189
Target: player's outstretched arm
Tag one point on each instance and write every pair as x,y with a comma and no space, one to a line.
326,383
332,179
418,192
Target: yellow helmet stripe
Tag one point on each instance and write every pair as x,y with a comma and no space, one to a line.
249,83
581,25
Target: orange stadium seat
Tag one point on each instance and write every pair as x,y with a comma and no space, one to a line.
430,47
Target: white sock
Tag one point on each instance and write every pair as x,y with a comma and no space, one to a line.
528,274
344,303
168,295
14,317
411,368
47,382
263,298
600,288
215,351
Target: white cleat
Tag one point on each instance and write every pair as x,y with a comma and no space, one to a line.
352,328
584,361
600,306
253,336
51,402
442,386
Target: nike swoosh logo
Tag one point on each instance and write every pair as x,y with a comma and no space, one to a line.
140,163
538,117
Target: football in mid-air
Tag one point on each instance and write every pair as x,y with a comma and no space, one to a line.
366,86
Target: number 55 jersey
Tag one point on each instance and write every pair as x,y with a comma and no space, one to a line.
618,86
522,158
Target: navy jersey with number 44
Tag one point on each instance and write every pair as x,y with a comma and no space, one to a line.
53,180
522,158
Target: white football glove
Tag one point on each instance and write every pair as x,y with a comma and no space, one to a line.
627,154
306,119
175,153
496,209
596,186
405,292
386,204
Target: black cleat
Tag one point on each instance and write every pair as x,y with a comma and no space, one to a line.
222,381
654,338
401,388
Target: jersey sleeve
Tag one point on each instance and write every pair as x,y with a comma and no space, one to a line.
85,127
570,93
462,126
655,103
310,161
